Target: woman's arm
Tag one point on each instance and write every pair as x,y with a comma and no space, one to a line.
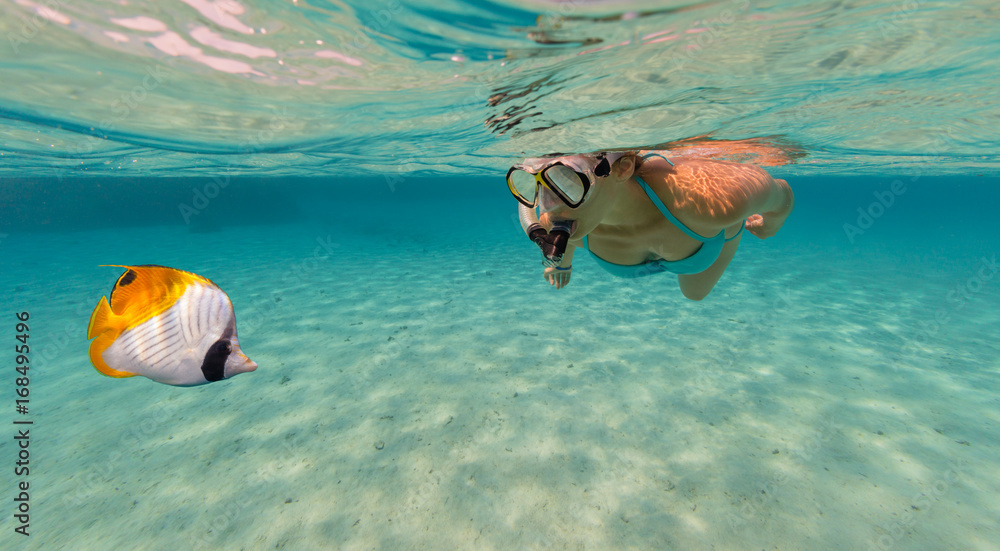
559,276
774,206
718,194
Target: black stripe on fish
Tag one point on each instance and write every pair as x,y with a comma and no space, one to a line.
214,365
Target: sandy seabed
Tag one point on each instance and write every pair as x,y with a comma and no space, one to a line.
415,395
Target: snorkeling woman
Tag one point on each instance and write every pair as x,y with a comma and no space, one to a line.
640,214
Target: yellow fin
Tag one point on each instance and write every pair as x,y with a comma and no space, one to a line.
143,292
99,319
97,348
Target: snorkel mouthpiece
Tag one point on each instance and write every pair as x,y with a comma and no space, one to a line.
553,243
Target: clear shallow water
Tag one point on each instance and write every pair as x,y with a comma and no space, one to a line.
307,88
419,386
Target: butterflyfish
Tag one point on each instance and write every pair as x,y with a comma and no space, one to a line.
172,326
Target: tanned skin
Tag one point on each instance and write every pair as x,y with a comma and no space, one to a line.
624,227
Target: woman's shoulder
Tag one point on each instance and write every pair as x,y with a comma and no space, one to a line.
661,161
702,176
704,191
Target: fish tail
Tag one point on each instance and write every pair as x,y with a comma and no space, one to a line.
100,319
102,325
97,348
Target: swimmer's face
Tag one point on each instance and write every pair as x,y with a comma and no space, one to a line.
599,200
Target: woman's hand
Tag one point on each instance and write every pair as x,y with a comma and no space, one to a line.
557,277
764,227
767,224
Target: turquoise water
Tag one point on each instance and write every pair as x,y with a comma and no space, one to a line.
337,168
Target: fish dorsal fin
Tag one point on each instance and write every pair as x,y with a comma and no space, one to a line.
146,291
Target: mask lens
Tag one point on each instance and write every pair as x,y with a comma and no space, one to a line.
523,184
568,182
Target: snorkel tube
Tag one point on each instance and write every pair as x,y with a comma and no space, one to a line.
553,243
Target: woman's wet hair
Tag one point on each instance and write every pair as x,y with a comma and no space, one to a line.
602,168
602,171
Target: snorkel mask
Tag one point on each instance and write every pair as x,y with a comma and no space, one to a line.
569,179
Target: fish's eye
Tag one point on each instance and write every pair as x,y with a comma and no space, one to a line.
221,347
